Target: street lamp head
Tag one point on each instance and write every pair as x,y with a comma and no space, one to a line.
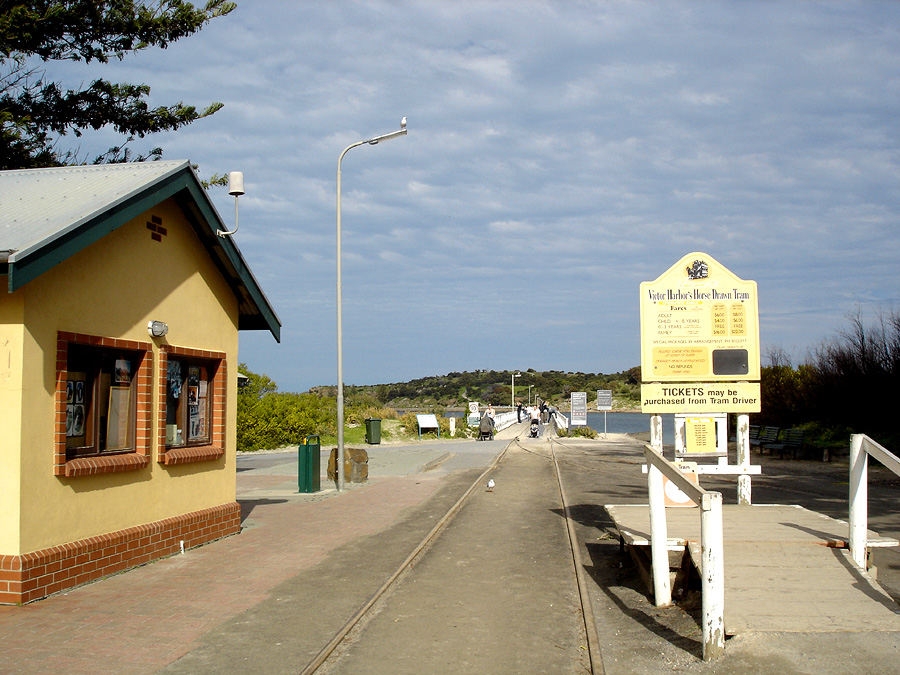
387,137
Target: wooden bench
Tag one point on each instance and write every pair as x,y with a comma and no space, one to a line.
792,441
766,435
428,422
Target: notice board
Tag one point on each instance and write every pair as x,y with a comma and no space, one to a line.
699,323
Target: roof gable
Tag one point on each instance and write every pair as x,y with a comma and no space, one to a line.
48,215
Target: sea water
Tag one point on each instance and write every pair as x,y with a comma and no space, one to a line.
629,423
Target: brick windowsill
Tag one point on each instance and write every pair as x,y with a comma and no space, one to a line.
201,453
92,466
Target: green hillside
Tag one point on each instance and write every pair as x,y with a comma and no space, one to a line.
456,390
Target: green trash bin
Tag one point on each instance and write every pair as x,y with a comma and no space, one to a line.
309,466
373,431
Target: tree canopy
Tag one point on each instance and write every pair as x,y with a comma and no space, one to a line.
36,113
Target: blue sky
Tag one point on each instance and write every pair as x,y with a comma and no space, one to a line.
559,154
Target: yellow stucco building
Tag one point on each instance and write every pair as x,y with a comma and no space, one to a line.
117,446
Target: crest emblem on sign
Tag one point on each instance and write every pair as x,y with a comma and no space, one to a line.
699,270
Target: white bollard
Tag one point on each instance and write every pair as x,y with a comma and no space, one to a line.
656,432
859,500
452,426
743,459
659,538
713,582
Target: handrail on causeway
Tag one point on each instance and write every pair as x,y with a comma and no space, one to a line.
711,542
861,446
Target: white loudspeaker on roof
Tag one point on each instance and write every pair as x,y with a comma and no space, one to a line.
236,183
236,188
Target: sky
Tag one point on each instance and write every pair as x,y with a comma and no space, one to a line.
558,154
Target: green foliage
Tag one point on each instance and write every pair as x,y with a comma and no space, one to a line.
850,385
408,424
577,432
456,389
461,430
35,113
269,419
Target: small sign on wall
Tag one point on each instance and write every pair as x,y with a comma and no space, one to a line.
699,435
674,496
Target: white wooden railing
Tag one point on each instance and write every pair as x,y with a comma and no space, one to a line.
861,446
504,419
562,422
711,543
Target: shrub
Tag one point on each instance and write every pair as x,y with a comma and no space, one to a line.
278,419
583,432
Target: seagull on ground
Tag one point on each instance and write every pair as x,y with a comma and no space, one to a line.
490,485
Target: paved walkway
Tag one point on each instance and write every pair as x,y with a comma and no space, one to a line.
773,550
146,618
265,601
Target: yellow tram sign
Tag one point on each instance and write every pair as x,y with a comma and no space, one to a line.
699,323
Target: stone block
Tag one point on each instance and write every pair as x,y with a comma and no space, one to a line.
356,465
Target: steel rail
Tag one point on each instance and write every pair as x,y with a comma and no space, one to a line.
587,612
339,637
591,636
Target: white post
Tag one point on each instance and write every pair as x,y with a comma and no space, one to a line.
680,442
713,570
656,432
743,458
659,537
859,500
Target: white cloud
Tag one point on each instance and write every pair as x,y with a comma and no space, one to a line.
573,147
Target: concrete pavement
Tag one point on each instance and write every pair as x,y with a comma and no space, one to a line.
266,600
147,618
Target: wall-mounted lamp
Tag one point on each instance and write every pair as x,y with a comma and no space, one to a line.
236,188
157,328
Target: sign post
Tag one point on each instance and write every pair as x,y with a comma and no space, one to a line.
699,323
604,403
700,351
579,408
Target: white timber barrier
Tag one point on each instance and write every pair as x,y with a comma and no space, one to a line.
711,543
562,422
504,419
861,446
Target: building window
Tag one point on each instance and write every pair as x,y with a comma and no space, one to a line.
193,405
188,402
101,398
102,404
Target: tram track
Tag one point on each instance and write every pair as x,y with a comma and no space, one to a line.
384,592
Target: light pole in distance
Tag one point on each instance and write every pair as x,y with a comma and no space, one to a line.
514,389
340,335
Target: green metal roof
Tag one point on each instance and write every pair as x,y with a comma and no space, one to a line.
47,215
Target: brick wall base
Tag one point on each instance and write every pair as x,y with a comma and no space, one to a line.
32,576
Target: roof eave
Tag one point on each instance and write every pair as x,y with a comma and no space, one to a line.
255,312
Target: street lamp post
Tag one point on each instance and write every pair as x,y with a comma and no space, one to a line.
514,389
340,336
529,393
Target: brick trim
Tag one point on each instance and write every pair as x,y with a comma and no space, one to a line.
31,576
86,466
219,386
92,466
200,453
